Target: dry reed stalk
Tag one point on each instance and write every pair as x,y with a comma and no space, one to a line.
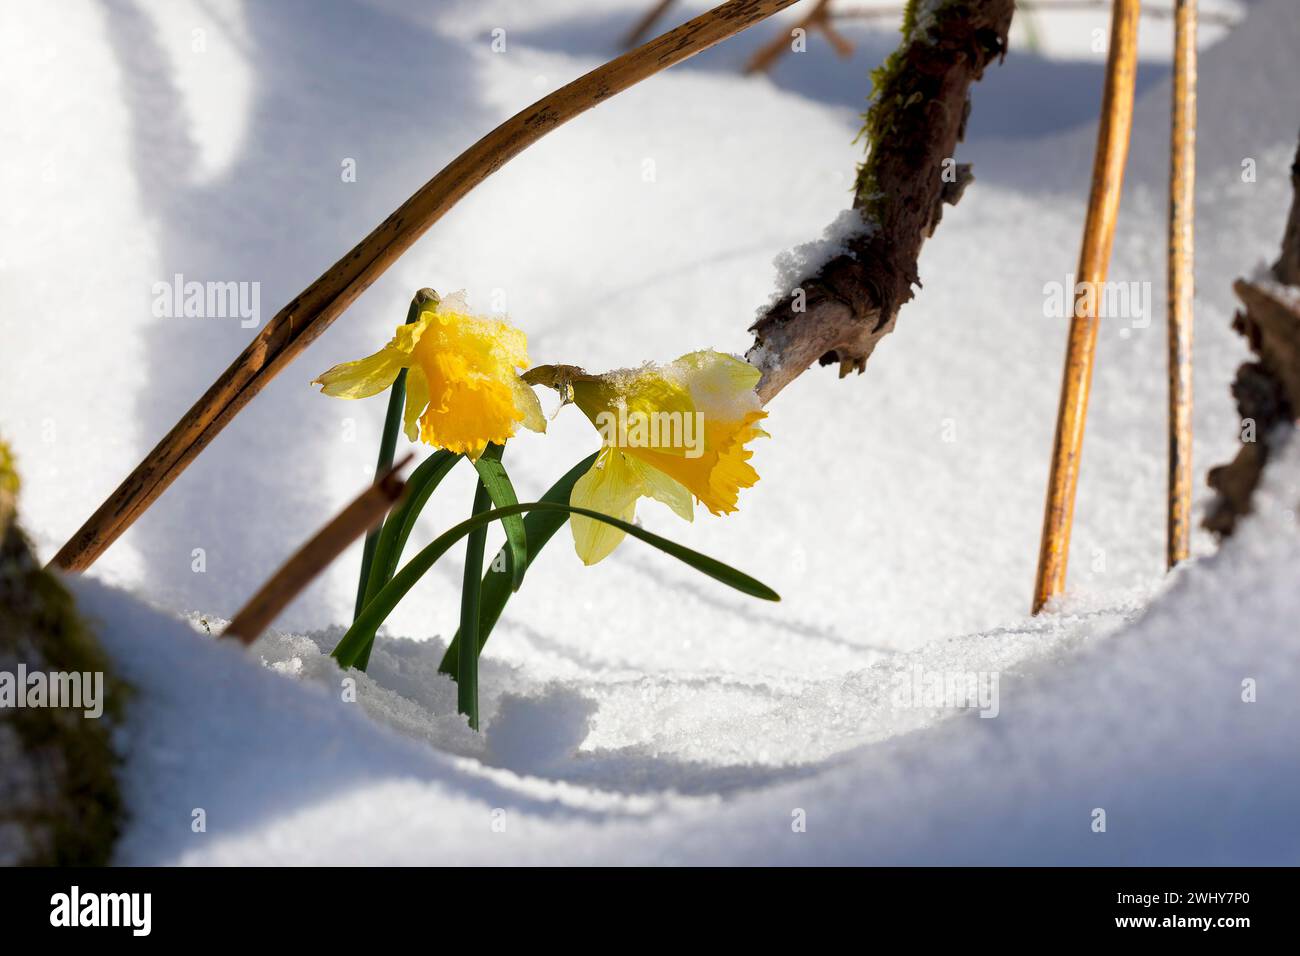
366,511
1098,237
819,18
644,25
1182,216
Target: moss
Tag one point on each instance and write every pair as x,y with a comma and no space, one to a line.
909,18
8,486
68,806
894,89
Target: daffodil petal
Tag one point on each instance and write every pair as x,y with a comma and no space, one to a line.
611,487
417,399
407,336
527,402
364,377
721,385
657,485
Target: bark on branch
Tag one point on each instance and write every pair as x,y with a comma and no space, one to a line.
918,117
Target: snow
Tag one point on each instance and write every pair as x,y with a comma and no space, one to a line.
634,712
795,265
1263,278
1136,712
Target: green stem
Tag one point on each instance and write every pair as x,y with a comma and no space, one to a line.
467,687
539,528
388,447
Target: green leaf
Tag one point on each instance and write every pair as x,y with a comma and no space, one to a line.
387,448
539,528
392,539
492,473
377,610
397,528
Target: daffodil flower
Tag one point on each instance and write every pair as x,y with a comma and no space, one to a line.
463,389
674,433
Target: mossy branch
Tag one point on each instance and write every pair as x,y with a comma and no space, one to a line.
59,800
917,117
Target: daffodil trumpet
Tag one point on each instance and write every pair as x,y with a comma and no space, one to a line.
677,433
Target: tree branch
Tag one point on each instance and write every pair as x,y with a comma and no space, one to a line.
914,125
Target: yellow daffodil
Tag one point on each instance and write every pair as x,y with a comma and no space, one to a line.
672,433
462,387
